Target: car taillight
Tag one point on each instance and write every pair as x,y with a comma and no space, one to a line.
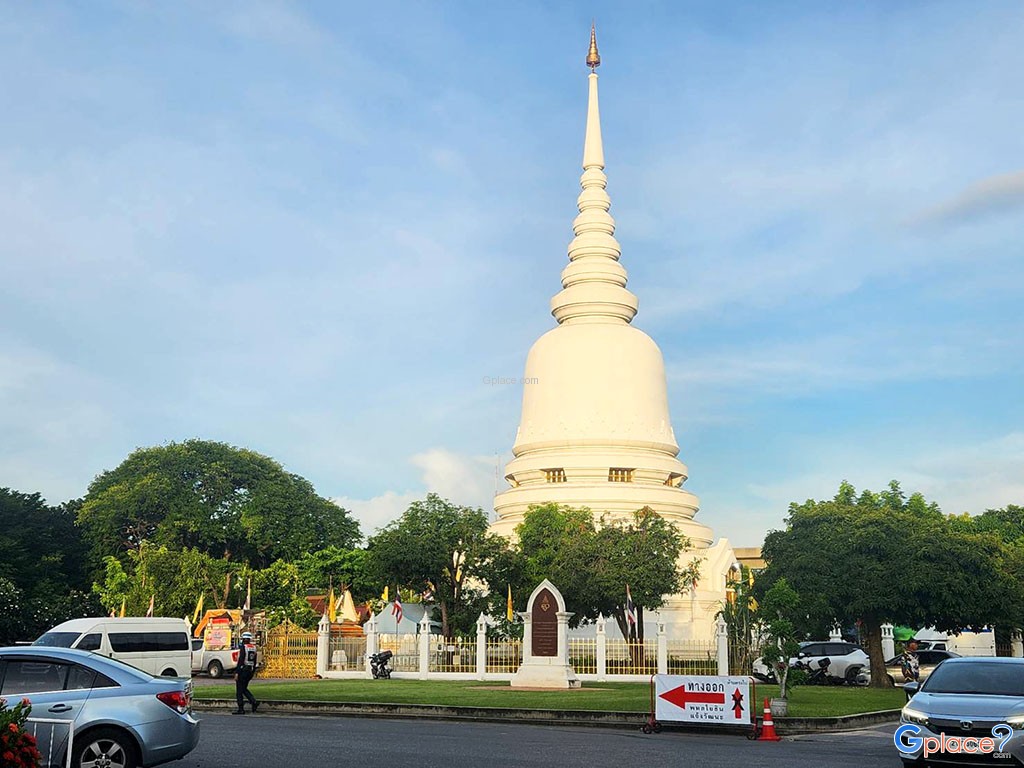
234,656
179,701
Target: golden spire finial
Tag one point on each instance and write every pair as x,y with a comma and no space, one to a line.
593,57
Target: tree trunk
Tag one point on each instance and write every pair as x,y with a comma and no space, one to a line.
873,633
444,619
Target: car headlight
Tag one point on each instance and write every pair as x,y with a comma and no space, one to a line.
915,716
1016,722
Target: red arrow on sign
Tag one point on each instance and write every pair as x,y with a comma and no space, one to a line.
681,697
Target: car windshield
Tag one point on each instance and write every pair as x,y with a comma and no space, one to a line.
981,677
58,639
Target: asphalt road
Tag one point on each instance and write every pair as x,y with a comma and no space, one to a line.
254,741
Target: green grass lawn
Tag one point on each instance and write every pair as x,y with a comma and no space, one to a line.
804,701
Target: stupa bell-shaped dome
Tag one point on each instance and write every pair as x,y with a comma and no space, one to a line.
595,429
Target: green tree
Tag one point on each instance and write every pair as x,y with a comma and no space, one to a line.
41,550
778,614
440,547
173,579
12,613
883,558
343,568
592,563
227,502
739,612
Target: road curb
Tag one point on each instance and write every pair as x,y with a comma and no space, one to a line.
587,718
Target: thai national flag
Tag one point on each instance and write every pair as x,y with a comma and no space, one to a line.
630,608
396,609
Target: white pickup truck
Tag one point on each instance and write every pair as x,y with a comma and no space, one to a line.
213,663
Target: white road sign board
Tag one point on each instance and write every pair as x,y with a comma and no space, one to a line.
702,699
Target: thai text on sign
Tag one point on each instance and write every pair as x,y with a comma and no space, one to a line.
702,699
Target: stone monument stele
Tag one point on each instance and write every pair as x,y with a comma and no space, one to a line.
545,642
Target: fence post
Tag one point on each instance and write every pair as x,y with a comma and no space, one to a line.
836,635
370,629
888,642
481,647
1016,644
602,649
723,647
323,645
662,647
424,645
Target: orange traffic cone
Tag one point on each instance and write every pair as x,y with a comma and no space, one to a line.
768,731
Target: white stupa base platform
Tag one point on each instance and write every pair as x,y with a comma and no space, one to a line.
539,673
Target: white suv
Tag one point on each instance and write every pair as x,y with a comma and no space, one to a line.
846,660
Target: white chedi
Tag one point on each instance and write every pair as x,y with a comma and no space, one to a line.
595,429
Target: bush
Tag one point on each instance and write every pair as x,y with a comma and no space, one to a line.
17,747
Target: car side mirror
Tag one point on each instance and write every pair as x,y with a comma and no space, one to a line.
911,688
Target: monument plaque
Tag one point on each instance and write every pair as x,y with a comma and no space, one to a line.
545,642
545,624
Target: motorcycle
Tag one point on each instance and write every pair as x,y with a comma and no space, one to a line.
379,665
820,676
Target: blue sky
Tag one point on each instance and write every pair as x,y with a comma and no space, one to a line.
314,230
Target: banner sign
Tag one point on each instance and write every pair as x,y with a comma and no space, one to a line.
218,634
702,699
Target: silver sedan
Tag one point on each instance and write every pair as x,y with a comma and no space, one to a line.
115,715
968,711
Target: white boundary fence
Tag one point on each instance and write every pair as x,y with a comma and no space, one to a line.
52,743
425,656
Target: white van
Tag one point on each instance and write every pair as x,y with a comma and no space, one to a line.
156,645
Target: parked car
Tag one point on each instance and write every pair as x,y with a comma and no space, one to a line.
159,646
846,660
928,660
122,717
213,663
967,697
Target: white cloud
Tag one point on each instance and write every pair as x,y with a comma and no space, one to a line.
995,194
464,480
833,360
377,512
959,477
273,22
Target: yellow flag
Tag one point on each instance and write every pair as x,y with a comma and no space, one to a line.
122,608
384,595
332,610
509,613
199,609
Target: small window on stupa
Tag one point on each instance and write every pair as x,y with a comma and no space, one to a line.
555,475
620,475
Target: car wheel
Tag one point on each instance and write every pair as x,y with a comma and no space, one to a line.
851,675
168,673
216,669
892,680
104,747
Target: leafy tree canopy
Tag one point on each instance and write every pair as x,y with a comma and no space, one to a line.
884,558
591,564
440,548
226,502
41,551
